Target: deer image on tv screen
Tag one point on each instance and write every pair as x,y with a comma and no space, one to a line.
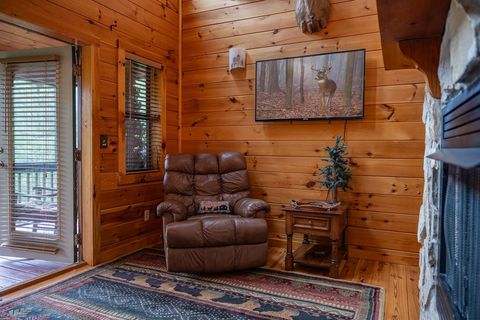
326,86
323,86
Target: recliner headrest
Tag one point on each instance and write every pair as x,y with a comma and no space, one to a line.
206,163
231,161
180,162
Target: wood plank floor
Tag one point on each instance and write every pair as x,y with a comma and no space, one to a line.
16,270
400,281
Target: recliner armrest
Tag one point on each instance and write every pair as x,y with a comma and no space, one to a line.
251,208
177,209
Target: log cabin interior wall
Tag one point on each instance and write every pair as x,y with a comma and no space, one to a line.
150,28
386,147
15,38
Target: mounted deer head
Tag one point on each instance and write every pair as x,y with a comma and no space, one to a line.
312,15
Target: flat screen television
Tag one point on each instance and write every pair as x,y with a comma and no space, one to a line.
322,86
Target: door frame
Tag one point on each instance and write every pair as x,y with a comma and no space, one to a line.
88,174
90,165
89,219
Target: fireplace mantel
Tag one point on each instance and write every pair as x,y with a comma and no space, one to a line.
411,33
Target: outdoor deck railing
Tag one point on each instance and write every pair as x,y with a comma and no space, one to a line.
35,182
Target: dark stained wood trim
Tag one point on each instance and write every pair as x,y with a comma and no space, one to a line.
425,54
411,33
405,20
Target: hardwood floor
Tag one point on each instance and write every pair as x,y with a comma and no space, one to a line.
400,281
16,270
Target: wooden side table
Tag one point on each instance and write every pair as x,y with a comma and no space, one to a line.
316,222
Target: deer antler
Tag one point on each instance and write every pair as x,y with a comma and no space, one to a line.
315,69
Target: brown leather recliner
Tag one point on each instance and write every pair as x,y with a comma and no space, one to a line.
211,242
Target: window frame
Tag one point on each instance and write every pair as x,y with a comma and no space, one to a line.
147,175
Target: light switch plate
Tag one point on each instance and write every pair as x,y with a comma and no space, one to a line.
103,141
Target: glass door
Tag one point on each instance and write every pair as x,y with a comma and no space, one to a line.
36,154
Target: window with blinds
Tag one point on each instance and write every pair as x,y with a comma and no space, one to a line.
28,151
143,128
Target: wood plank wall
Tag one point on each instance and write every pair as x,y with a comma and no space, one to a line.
150,28
16,38
386,147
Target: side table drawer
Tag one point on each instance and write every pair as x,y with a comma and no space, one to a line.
317,223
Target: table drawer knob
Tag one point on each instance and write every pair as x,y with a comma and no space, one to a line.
310,222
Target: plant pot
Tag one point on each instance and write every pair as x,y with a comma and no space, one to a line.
332,196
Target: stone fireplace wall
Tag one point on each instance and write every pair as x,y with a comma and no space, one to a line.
459,69
428,219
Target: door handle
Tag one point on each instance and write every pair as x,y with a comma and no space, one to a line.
2,165
1,150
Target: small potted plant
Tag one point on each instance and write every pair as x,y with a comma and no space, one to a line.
337,172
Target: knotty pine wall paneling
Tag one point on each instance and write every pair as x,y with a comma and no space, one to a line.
149,28
386,147
16,38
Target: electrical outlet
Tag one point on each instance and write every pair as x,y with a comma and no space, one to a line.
146,215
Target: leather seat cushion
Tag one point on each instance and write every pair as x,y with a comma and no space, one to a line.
215,230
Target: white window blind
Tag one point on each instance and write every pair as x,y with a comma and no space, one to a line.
143,129
29,103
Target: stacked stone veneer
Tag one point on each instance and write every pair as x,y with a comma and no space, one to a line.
459,69
428,226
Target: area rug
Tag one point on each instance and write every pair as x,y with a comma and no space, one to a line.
138,287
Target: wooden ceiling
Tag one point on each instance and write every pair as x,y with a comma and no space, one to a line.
16,38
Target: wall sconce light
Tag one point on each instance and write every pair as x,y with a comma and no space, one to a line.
236,58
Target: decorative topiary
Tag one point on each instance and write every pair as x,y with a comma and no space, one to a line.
337,172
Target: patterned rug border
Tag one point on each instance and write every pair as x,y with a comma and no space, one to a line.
297,273
303,275
116,263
